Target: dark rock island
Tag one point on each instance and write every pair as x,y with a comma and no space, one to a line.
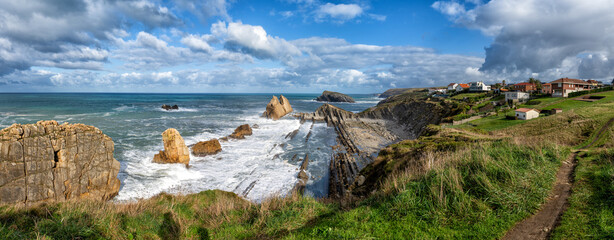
328,96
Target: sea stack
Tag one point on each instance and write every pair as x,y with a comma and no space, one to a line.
277,108
175,150
328,96
46,162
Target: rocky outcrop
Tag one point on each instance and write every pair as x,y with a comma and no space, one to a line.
241,131
175,150
277,108
328,96
50,162
361,136
168,107
205,148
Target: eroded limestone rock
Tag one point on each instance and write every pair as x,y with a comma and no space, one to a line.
175,150
50,162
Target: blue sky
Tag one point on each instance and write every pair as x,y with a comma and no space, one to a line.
357,46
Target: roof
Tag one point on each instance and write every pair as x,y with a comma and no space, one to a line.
524,83
503,90
569,80
463,85
526,110
546,84
451,84
593,81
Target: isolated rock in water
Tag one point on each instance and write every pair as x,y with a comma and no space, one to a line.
207,148
168,107
49,162
328,96
175,150
241,132
277,108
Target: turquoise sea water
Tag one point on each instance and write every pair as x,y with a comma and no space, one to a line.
257,167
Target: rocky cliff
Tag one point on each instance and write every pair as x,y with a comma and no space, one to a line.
50,162
328,96
361,136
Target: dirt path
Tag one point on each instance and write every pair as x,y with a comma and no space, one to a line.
541,224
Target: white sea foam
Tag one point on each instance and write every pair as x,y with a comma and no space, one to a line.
250,167
124,108
181,109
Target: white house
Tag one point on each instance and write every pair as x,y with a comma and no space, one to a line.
461,87
452,86
516,96
479,87
527,113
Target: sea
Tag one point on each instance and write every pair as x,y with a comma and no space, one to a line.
258,167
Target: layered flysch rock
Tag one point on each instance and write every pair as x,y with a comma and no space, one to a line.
277,108
328,96
49,162
175,150
361,136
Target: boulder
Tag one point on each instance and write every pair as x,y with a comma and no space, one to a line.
328,96
241,132
46,161
168,107
277,108
175,150
207,148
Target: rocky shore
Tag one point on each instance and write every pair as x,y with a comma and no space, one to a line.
361,136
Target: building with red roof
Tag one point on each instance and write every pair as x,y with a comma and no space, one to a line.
564,86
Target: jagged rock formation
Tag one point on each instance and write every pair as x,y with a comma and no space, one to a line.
175,150
328,96
241,131
168,107
361,136
302,175
49,162
277,108
205,148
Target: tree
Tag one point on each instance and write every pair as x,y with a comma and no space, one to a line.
612,81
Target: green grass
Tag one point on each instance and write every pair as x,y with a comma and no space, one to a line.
491,123
570,103
467,95
591,206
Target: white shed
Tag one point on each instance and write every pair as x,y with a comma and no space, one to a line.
527,113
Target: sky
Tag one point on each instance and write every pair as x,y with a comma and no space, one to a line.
298,46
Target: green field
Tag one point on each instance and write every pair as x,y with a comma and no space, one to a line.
467,95
499,122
